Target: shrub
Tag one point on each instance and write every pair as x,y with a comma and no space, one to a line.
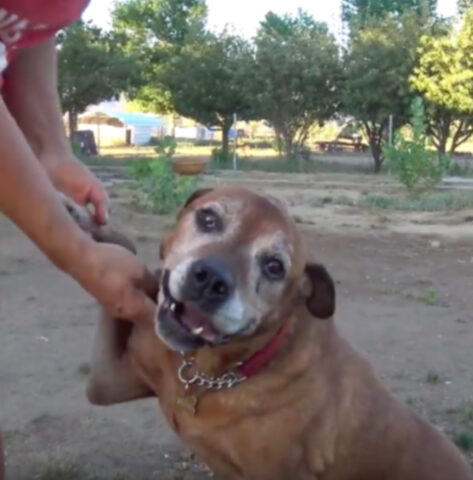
464,440
158,187
220,160
416,166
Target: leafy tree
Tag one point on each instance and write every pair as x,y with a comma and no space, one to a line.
360,12
297,76
378,62
156,30
207,81
92,68
444,76
464,5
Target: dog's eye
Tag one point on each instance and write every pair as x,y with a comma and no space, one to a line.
273,268
208,221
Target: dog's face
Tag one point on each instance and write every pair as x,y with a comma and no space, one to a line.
233,263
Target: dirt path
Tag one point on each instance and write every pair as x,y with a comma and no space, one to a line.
403,299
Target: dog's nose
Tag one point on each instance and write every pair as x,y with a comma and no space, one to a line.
209,282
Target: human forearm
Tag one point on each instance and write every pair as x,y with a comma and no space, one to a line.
111,274
30,93
28,197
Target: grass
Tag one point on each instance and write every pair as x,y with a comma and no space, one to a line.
56,469
434,202
275,164
430,296
468,412
464,440
59,469
433,378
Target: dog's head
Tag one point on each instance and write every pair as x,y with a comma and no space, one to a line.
234,265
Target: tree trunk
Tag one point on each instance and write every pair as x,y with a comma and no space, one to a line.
288,146
463,133
442,146
225,141
375,137
279,142
72,120
443,136
377,156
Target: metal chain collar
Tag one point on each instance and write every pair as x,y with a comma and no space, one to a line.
227,380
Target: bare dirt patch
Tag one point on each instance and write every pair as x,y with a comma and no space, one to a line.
404,298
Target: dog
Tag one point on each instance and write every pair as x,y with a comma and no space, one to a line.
247,363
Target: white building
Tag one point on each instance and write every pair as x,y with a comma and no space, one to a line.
114,127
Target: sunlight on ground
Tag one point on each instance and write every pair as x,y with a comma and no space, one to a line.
183,151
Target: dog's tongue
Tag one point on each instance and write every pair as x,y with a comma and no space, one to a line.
198,322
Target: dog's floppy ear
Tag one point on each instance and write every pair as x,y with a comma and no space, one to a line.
319,290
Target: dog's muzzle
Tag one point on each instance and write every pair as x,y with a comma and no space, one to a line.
186,324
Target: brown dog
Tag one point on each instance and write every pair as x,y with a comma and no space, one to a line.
247,363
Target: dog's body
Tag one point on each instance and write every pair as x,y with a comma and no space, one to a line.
315,410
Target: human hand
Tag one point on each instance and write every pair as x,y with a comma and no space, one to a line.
73,178
118,281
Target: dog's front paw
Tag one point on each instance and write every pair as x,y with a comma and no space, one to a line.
82,216
85,220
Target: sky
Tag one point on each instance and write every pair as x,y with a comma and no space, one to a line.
244,16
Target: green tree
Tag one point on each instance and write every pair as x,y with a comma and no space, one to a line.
444,77
156,31
91,68
209,81
378,62
297,76
359,12
464,5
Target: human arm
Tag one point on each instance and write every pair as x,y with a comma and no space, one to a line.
30,93
27,197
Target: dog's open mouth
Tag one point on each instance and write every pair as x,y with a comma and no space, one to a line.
189,320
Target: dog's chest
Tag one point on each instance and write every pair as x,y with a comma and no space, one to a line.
238,442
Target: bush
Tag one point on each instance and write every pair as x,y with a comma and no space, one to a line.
416,166
220,160
158,187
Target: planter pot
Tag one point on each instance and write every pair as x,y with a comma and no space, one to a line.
189,166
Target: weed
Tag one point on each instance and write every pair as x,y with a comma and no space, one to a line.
431,296
411,402
464,440
415,165
433,378
158,187
468,412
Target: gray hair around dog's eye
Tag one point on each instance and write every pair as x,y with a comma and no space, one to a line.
208,221
273,268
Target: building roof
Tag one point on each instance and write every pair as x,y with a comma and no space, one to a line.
126,118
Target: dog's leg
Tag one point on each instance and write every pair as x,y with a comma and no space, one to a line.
113,378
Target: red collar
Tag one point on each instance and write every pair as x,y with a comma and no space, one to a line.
262,357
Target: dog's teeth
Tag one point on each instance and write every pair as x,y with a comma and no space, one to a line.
198,330
173,307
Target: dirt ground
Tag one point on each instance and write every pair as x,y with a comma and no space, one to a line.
404,282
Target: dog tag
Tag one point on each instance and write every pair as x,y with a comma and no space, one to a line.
188,402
